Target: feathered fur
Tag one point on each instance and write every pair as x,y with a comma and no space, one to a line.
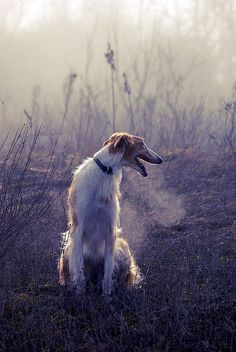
94,233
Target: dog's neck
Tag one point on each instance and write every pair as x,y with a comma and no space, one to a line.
110,184
109,160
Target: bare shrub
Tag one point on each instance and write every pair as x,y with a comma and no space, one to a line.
26,191
230,127
110,57
224,134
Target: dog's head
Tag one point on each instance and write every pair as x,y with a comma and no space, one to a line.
133,149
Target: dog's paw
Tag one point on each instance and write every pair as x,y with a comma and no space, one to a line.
107,298
80,286
106,287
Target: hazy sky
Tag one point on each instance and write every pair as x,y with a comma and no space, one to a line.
38,10
185,44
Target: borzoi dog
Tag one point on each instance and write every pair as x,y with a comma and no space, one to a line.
94,209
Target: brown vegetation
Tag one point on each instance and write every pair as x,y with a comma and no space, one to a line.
187,301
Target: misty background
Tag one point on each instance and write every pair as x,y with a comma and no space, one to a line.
173,69
71,73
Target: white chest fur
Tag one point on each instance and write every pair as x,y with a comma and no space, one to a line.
97,205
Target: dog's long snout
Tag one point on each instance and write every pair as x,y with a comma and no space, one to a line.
151,157
159,160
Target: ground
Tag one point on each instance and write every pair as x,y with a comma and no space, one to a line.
181,223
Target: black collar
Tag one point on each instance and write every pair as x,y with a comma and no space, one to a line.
106,169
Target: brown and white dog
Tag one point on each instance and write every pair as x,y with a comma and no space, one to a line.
94,213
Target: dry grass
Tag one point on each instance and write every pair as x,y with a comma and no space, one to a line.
187,302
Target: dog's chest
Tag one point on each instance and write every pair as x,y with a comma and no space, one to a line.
107,193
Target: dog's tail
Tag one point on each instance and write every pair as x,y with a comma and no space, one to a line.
125,264
63,262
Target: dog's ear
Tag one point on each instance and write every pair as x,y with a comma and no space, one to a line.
110,140
122,142
106,142
118,140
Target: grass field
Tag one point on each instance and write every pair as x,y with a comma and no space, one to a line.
181,223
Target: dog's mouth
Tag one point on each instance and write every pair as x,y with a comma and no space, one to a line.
150,157
142,167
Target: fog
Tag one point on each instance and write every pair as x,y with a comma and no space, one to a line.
179,58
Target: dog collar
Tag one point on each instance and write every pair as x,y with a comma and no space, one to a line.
106,169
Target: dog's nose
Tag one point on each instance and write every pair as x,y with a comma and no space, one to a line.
159,161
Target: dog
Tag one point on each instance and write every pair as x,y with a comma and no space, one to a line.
94,234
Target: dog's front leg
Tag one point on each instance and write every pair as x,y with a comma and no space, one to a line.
108,263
